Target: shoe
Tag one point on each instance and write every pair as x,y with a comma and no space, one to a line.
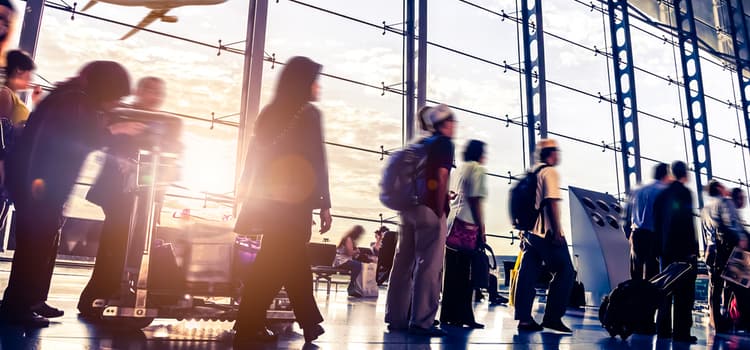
263,335
530,327
557,326
44,310
427,332
26,319
474,325
312,333
691,339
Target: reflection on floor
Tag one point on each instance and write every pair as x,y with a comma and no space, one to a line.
350,324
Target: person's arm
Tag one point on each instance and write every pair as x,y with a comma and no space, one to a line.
320,163
350,249
442,190
730,221
476,215
553,212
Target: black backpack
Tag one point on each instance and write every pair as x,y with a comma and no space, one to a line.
523,213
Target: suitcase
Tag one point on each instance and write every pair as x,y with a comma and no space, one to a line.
634,302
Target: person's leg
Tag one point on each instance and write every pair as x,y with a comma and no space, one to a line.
400,284
664,313
651,258
262,283
355,269
430,254
558,261
715,299
110,255
684,300
636,255
465,289
528,274
449,312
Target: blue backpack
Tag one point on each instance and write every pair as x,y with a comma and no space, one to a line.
403,182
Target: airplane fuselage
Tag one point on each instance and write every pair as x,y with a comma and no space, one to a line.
162,4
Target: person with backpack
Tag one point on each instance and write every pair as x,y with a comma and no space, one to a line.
415,284
466,234
544,243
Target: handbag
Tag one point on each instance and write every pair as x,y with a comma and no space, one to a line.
463,235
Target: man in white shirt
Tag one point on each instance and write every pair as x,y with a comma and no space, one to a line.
546,244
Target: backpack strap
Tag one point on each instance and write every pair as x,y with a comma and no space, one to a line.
541,203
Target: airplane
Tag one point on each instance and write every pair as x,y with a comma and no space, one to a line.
159,9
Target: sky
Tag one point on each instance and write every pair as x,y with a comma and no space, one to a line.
200,83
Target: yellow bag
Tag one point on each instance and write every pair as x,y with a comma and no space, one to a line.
514,279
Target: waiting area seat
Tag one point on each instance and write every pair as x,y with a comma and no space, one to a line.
321,257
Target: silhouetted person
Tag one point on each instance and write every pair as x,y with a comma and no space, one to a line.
44,165
114,191
676,226
414,287
644,244
285,178
722,232
545,244
348,257
739,198
456,305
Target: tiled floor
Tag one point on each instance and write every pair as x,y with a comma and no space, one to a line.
350,324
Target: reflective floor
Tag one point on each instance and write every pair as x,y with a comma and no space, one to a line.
350,324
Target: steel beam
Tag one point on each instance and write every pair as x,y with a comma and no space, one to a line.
696,105
740,42
32,21
422,55
409,56
627,108
252,77
534,71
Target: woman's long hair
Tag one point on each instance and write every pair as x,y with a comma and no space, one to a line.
354,233
293,91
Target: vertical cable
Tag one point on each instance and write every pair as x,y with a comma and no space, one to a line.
612,106
739,131
520,90
679,96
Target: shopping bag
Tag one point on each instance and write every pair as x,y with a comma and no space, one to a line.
366,282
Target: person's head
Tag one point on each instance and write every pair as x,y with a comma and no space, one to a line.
150,93
443,121
661,172
548,152
474,151
423,118
716,189
679,171
7,15
18,69
104,82
354,233
738,197
298,82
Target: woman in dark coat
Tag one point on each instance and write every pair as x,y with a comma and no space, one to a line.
41,172
285,179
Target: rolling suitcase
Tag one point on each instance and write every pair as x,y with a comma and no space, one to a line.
634,302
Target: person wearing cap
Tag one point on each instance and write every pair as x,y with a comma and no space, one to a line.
43,168
722,231
675,225
546,244
415,283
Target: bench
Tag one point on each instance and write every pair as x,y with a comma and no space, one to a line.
321,257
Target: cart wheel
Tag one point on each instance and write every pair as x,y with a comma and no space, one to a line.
127,323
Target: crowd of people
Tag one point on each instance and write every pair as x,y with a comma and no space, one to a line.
285,178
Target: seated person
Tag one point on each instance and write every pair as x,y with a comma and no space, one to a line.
348,257
379,233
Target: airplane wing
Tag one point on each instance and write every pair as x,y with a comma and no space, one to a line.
150,18
89,5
